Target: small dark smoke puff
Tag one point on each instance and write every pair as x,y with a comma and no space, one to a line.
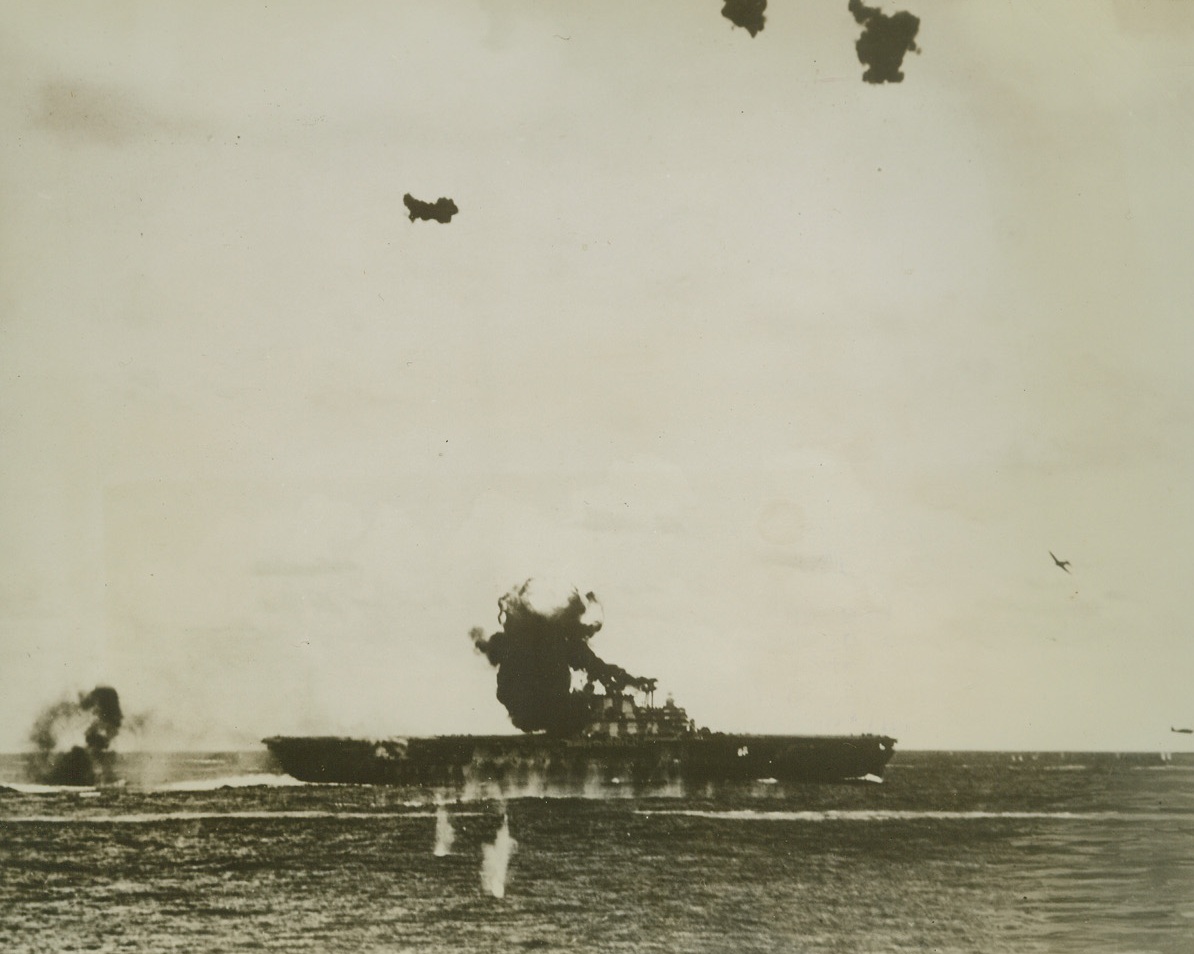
884,41
104,703
747,14
441,210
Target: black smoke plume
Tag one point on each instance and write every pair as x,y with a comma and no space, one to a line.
884,41
536,651
97,714
747,14
441,210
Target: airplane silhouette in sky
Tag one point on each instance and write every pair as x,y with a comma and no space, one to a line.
1064,564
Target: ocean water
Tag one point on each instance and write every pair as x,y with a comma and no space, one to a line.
963,852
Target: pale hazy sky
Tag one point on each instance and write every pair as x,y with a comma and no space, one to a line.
803,376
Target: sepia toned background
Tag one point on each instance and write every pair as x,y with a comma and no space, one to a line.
804,376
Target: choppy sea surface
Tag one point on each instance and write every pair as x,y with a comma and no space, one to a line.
954,852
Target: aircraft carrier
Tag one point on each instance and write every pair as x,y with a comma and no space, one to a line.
577,738
639,746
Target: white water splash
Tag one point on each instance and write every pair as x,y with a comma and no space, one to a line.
33,788
260,780
495,860
445,835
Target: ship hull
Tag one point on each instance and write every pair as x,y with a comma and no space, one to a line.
534,761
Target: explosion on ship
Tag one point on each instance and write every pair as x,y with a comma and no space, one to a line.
537,650
576,739
96,717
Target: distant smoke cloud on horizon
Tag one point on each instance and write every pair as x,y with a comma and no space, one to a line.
98,715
